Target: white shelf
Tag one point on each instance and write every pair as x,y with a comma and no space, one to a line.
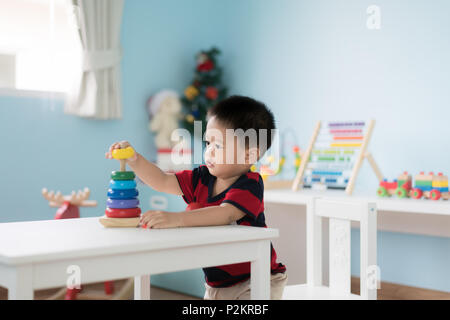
422,206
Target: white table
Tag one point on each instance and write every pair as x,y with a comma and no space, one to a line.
423,216
286,210
301,197
39,254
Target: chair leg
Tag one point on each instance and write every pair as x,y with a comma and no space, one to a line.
109,287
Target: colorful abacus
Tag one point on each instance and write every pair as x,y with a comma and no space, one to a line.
335,154
122,205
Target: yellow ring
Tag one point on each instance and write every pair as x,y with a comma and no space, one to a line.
126,153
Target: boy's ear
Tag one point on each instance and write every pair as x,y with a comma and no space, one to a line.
252,155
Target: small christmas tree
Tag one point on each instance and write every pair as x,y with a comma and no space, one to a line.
205,90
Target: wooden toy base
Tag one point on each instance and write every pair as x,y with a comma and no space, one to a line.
119,222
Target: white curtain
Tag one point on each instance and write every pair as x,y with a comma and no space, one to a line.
97,93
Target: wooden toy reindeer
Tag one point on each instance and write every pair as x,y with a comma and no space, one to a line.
68,206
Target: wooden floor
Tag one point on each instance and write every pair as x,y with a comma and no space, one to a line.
388,291
391,291
95,291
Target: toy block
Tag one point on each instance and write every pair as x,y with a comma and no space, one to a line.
388,185
439,184
423,177
424,188
404,176
440,177
421,183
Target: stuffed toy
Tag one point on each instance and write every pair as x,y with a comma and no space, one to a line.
164,109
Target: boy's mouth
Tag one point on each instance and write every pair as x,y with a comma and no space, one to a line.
209,164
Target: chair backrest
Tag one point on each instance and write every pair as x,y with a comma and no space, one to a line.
340,213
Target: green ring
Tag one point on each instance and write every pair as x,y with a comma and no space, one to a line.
122,175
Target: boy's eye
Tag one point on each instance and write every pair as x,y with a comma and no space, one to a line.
207,143
218,146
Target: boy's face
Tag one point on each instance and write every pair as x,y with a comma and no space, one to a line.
225,157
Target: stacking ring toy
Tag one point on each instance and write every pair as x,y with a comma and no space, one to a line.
123,213
121,154
122,193
122,175
122,184
122,203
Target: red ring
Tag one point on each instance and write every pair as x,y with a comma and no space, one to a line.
123,213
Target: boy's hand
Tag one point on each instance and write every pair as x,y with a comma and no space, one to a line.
120,145
160,219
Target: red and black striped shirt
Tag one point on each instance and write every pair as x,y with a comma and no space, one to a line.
246,194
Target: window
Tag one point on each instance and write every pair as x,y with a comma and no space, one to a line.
39,46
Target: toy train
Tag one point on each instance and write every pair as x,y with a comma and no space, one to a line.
429,186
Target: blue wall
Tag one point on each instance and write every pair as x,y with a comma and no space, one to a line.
307,60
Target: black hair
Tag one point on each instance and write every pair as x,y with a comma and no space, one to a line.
240,112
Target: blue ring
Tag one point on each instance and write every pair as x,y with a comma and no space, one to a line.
122,193
122,184
122,203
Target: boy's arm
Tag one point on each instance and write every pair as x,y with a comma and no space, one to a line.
209,216
154,176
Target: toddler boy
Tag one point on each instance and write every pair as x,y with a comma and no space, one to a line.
224,189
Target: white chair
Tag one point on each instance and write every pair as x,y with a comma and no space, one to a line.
340,214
